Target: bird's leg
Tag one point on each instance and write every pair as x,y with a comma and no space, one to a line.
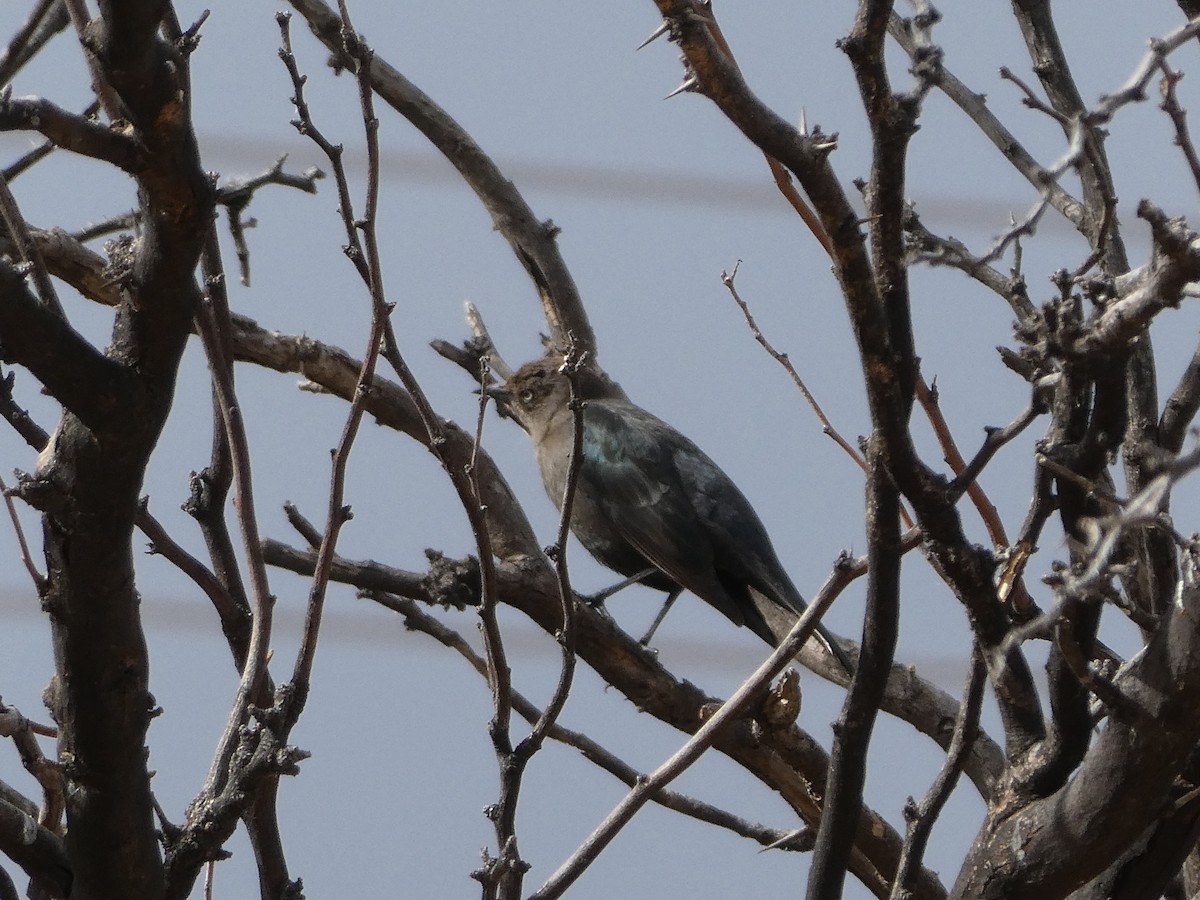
662,614
596,601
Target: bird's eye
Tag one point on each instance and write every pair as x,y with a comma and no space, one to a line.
526,395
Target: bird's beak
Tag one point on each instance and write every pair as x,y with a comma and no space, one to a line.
503,398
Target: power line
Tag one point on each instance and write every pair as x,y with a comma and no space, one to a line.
238,155
344,625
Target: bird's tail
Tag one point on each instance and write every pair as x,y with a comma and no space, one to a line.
834,646
772,619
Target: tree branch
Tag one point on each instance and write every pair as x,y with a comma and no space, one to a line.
68,131
531,240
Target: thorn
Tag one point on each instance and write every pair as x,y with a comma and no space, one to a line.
657,33
804,121
689,84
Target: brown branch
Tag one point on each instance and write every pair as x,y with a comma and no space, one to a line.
46,19
933,250
883,329
838,835
38,579
622,662
532,240
737,704
909,697
117,402
236,195
49,775
779,174
1183,138
18,232
69,131
921,818
40,853
417,619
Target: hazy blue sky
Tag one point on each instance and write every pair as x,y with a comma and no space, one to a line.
654,200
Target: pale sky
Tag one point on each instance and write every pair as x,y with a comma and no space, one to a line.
654,198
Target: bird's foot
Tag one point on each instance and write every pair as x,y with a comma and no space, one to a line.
596,600
644,640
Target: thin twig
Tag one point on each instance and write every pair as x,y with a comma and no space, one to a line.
922,818
573,359
1092,489
48,774
18,231
128,221
1106,691
39,580
337,514
255,668
682,759
416,619
933,250
46,18
727,279
109,101
966,475
1141,509
162,544
531,238
973,104
941,428
236,196
1170,105
1031,99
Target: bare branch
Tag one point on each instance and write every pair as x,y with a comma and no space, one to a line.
39,852
255,668
46,19
737,704
921,818
1181,406
38,579
236,195
68,131
929,248
727,279
532,240
15,226
49,775
974,105
417,619
1170,105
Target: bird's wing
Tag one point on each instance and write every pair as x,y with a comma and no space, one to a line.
742,549
631,469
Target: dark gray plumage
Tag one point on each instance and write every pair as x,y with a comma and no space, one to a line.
649,498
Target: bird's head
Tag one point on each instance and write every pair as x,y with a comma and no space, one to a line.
539,391
534,393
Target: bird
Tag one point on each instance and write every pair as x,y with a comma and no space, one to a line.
649,504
